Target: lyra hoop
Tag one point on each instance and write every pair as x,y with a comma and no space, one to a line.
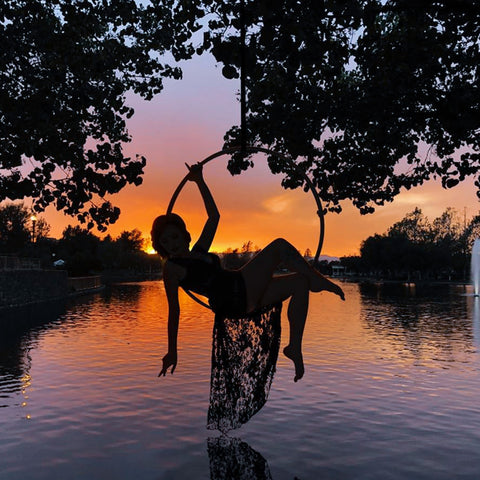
290,162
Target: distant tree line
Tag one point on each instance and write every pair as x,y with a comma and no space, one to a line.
237,257
78,250
417,248
84,253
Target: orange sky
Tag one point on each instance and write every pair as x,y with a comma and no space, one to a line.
186,123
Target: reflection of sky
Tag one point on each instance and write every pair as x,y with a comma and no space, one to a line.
186,123
366,403
428,330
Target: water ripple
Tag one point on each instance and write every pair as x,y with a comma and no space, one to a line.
390,391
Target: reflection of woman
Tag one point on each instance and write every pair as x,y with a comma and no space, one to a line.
233,292
231,458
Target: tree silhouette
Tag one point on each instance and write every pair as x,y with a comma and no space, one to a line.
430,249
369,96
130,241
414,226
65,68
16,230
472,232
373,95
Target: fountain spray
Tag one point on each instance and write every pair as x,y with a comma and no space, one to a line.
475,267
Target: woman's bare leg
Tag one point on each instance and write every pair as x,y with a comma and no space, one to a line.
259,271
263,289
295,287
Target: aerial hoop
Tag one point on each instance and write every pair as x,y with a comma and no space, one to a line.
291,163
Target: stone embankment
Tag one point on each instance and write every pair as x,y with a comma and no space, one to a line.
24,282
23,287
88,284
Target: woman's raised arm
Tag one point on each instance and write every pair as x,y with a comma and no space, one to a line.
210,228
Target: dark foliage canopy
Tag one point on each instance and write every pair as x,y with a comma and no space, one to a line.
372,95
368,96
65,68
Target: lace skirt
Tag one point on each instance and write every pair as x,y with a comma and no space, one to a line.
244,358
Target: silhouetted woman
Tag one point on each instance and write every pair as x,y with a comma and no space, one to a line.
233,292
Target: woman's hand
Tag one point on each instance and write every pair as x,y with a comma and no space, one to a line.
169,360
195,172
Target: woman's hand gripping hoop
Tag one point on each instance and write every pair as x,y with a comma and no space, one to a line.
195,172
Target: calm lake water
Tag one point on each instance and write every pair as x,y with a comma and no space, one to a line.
391,391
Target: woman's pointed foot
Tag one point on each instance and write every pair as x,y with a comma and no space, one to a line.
297,358
322,283
337,291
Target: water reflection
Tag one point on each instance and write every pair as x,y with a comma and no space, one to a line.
434,322
128,294
236,460
368,408
19,332
21,327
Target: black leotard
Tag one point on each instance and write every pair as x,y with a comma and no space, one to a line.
205,276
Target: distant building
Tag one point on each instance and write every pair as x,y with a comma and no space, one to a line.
338,271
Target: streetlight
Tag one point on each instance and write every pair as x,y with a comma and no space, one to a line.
33,218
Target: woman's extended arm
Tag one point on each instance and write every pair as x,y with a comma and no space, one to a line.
170,280
208,233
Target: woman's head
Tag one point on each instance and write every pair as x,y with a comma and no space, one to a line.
169,235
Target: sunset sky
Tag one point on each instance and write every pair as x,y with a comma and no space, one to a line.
186,123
